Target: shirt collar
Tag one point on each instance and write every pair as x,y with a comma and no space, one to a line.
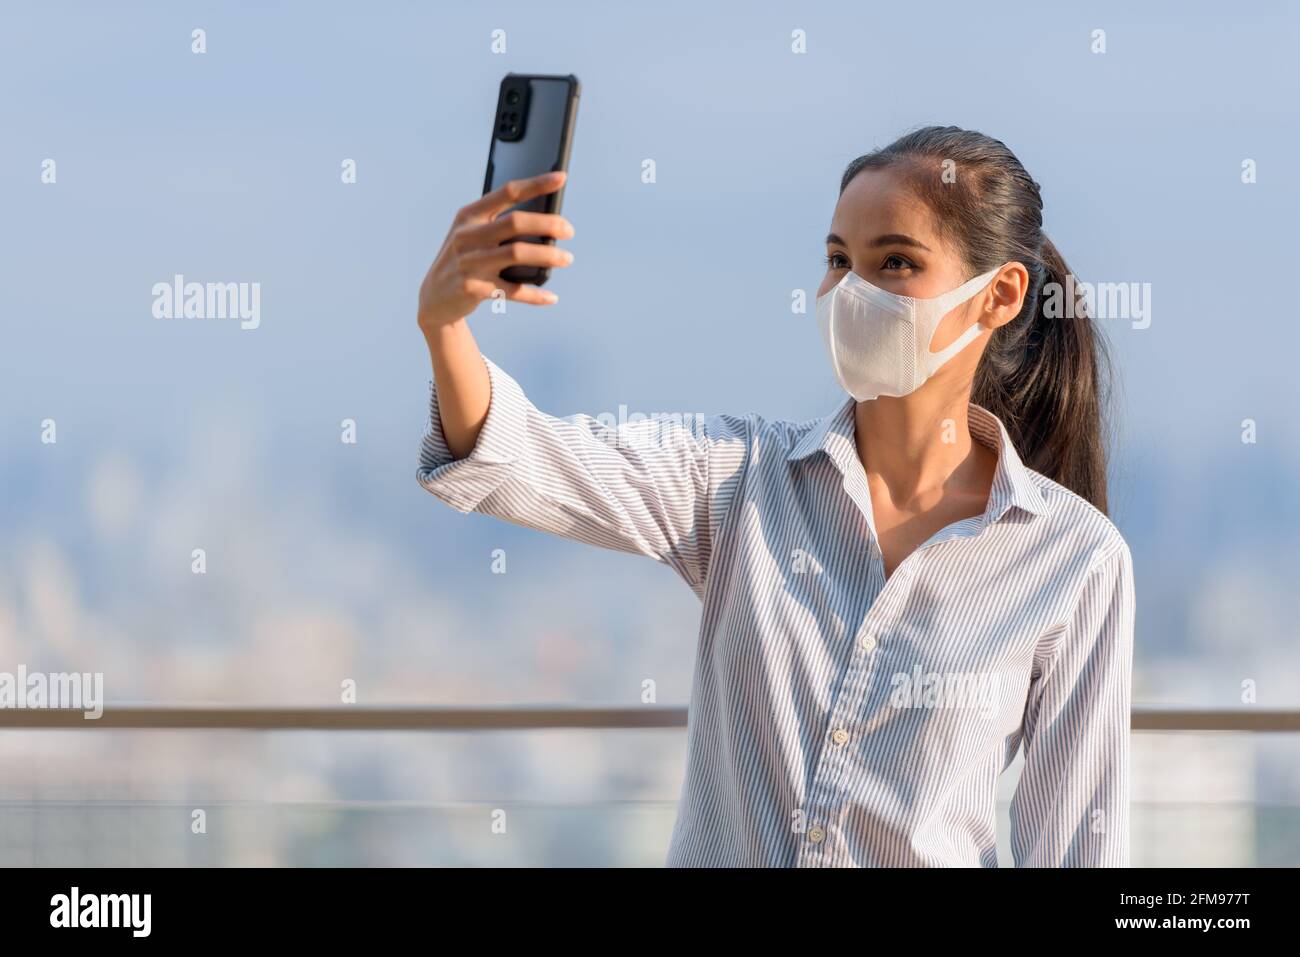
1013,484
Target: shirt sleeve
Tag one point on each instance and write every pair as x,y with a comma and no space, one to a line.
657,486
1071,806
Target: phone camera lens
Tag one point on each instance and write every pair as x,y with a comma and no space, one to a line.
512,97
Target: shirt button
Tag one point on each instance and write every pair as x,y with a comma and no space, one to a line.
839,736
867,642
816,834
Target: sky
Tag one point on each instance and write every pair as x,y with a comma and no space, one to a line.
326,558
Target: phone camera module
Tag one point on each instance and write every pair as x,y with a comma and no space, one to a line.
512,112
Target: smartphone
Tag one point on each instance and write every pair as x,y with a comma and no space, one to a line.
532,134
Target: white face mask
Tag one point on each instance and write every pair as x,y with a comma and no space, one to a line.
879,343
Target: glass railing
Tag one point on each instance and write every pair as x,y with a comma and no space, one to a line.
612,834
237,786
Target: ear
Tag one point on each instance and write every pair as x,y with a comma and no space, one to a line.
1007,290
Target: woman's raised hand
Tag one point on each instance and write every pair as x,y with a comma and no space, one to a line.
466,269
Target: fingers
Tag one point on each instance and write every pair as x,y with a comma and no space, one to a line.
479,246
516,291
486,263
508,194
525,292
517,223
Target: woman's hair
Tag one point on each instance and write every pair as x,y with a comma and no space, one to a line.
1046,377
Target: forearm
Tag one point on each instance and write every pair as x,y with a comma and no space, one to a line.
464,388
481,244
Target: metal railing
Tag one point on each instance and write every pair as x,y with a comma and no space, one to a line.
503,718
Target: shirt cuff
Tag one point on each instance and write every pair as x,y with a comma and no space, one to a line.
463,483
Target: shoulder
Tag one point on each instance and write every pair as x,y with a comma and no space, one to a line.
1073,517
777,440
1098,596
760,434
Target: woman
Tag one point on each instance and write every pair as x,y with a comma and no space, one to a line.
895,597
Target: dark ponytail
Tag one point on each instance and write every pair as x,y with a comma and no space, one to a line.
1046,374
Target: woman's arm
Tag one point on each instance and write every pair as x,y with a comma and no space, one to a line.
465,273
1071,806
655,486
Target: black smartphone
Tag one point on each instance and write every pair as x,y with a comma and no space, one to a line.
532,134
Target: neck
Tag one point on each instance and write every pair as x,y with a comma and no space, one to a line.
916,446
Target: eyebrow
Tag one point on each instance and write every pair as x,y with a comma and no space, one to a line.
889,239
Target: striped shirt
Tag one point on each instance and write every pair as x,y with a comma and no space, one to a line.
838,717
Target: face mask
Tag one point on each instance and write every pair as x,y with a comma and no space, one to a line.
879,343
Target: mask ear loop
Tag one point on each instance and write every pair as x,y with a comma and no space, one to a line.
947,303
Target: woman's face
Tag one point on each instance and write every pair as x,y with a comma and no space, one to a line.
883,232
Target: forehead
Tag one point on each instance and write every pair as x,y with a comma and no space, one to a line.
880,201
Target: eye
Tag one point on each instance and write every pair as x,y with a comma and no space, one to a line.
894,261
837,261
